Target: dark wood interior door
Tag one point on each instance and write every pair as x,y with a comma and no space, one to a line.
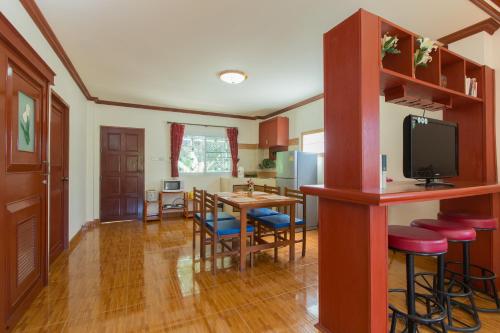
59,140
23,114
122,173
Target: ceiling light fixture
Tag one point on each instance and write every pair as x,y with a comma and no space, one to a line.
232,76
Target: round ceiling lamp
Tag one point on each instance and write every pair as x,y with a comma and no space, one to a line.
232,76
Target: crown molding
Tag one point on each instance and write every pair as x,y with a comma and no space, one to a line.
11,37
489,25
291,107
169,109
488,9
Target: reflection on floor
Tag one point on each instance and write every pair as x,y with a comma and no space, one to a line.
126,277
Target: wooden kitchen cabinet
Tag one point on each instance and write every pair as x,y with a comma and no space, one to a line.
273,132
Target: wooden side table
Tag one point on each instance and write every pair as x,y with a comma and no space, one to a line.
166,209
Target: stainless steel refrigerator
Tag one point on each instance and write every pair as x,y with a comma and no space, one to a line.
294,169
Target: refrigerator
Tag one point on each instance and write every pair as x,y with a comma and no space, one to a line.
294,169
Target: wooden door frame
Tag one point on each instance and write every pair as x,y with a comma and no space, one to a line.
65,107
101,127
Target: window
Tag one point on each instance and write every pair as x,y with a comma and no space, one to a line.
313,142
204,154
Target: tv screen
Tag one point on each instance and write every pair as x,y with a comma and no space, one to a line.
430,148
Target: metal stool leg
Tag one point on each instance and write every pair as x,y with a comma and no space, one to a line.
410,287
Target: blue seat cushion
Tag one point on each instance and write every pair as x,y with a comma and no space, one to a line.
255,213
220,216
279,221
227,227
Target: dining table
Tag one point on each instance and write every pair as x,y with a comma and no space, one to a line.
244,201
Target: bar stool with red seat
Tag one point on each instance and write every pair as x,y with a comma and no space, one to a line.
452,290
418,242
486,277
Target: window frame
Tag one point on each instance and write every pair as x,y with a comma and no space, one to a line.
205,164
319,130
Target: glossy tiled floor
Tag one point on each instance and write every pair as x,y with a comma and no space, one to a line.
126,277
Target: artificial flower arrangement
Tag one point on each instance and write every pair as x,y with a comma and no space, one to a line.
422,54
389,45
251,186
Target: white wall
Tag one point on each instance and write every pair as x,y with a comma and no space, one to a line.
69,91
157,144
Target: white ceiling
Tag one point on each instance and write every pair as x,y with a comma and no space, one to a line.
168,52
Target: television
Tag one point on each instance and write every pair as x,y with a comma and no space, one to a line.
430,150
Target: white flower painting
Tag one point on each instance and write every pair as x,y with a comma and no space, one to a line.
26,129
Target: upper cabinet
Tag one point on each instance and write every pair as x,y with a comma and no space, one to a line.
273,132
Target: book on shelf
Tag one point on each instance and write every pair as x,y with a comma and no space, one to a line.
471,86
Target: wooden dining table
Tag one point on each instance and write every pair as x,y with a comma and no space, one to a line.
243,201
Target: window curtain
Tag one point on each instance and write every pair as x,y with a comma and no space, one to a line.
232,135
176,136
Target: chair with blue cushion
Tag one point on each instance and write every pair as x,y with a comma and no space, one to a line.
278,225
254,213
198,196
222,231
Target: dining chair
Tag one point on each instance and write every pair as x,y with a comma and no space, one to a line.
278,225
223,232
198,197
200,214
255,213
240,187
260,188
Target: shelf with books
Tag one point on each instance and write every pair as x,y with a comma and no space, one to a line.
473,79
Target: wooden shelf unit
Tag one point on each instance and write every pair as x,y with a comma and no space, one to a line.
183,211
440,84
353,232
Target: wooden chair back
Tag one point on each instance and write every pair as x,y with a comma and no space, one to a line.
198,202
240,187
211,206
301,199
260,188
272,189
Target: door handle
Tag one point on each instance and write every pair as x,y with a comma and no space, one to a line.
65,179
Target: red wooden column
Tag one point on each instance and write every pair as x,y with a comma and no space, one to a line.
352,237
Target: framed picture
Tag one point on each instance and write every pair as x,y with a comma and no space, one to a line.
26,123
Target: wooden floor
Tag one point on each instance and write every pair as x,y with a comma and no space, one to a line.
126,277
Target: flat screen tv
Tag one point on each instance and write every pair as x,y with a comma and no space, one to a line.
430,149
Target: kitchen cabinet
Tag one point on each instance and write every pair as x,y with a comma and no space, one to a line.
273,132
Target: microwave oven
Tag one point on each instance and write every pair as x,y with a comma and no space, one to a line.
172,185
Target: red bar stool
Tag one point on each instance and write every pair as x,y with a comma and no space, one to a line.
418,242
485,277
452,290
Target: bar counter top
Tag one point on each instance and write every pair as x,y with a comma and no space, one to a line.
397,193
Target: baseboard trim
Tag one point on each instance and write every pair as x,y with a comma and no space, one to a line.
76,239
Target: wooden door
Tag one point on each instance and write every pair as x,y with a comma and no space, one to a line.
23,212
59,140
122,173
